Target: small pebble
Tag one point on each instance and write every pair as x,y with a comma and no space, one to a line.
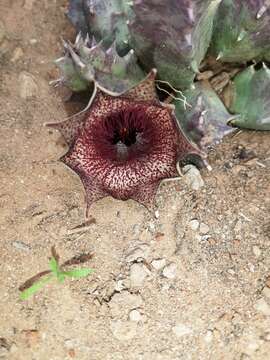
17,54
33,41
238,226
135,315
251,347
124,330
122,303
262,306
256,251
208,336
205,237
136,229
251,267
170,271
138,274
13,348
198,237
194,224
158,264
266,292
139,253
70,343
204,229
193,177
151,226
27,85
181,330
231,272
21,245
120,285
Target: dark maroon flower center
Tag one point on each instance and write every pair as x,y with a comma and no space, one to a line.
124,134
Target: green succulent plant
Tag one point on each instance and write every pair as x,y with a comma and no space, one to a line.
175,37
241,31
86,62
251,99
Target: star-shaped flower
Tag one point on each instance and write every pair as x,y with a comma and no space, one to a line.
124,145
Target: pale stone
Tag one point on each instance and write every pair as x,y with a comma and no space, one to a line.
181,330
124,330
122,303
256,251
204,229
170,271
262,306
193,177
17,54
138,274
194,224
266,292
140,252
27,85
158,264
135,315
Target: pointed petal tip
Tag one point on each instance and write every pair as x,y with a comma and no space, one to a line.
52,125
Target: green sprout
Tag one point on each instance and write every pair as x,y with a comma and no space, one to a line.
35,283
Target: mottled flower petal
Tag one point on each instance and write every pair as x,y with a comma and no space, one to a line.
123,146
70,127
145,90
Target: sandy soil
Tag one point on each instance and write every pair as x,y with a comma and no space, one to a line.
205,298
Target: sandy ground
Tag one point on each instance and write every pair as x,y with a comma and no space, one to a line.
191,284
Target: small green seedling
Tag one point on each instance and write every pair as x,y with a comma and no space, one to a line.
35,283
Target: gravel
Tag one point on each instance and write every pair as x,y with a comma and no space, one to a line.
158,264
194,224
262,306
27,86
193,177
138,274
169,271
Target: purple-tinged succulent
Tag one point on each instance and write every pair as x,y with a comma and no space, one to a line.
241,31
86,62
172,36
105,19
123,146
205,120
